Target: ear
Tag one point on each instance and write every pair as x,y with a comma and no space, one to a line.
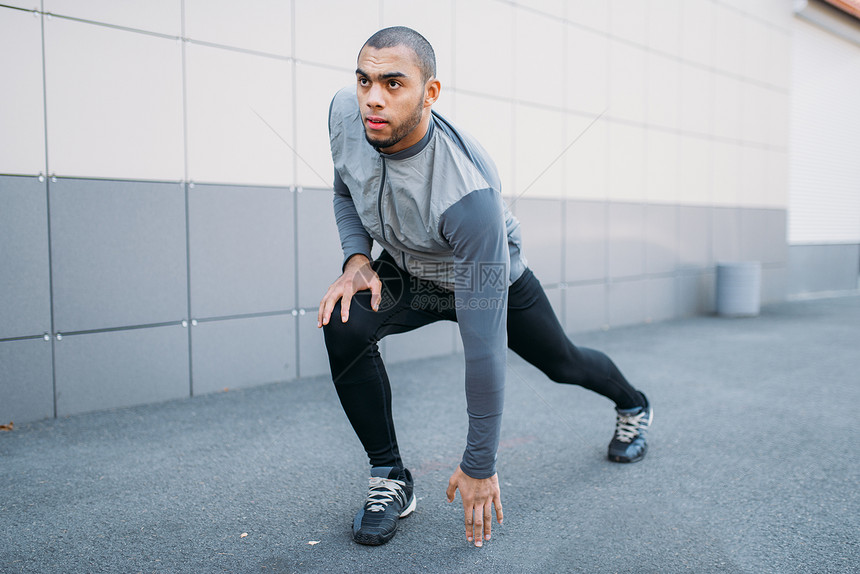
431,92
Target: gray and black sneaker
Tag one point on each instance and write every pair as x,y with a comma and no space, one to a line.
389,498
631,425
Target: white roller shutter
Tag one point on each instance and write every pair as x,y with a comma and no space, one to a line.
824,182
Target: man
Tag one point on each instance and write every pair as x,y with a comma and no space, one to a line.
429,194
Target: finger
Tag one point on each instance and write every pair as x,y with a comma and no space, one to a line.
375,293
497,501
328,306
479,526
451,491
488,520
345,302
469,524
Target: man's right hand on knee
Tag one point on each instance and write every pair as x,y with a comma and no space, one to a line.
357,276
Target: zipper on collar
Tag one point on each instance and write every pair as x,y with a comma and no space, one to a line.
379,199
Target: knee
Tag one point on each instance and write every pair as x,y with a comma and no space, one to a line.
345,341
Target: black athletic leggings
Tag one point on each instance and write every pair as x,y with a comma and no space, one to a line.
534,333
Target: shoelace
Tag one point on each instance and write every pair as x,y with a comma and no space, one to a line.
382,491
627,426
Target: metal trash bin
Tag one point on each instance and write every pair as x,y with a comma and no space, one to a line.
739,288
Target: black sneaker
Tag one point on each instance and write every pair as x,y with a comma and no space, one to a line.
631,425
389,498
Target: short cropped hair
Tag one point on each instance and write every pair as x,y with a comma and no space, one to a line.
403,36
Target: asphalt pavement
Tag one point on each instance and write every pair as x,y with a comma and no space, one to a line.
753,467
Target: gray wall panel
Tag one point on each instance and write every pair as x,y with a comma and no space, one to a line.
763,235
660,298
25,303
121,368
313,360
26,381
585,307
428,341
694,224
626,239
586,243
320,254
627,302
541,221
695,293
119,253
242,250
239,353
726,234
816,268
555,296
773,280
661,238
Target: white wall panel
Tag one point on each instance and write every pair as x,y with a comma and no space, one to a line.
696,100
586,71
114,102
315,87
779,119
435,25
664,26
554,8
726,173
728,31
261,25
779,60
332,32
626,163
628,20
694,171
232,97
777,180
25,4
756,49
490,122
162,16
627,82
727,107
539,59
539,141
585,162
594,15
697,34
484,49
753,177
661,172
22,97
755,113
663,91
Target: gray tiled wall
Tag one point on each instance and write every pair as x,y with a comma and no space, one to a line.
241,250
118,253
816,268
112,369
221,283
25,303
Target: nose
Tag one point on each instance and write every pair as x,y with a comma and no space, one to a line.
375,96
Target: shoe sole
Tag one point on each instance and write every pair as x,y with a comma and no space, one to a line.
379,540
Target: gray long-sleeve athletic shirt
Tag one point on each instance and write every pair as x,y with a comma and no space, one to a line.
436,208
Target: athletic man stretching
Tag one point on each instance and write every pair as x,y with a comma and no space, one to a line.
429,194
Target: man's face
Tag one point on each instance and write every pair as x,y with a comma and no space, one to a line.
391,97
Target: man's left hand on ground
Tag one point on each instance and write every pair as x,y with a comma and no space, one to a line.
479,495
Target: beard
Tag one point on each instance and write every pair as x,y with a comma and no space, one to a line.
399,132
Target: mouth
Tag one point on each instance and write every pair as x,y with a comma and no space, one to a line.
375,122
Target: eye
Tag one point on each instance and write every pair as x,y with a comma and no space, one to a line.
363,82
393,84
